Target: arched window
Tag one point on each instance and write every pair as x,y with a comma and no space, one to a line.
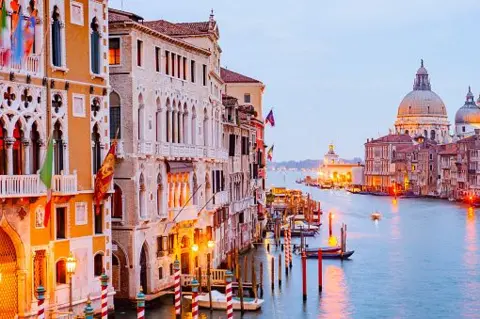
432,135
406,132
142,197
95,46
56,38
35,149
141,118
425,134
194,126
96,150
179,124
61,272
116,278
115,115
18,149
3,149
205,127
159,195
117,202
185,124
58,148
158,122
167,122
98,265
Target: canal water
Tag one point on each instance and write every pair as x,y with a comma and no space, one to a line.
421,260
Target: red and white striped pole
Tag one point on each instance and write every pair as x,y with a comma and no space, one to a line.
195,299
287,250
104,282
41,301
178,293
290,247
141,304
228,292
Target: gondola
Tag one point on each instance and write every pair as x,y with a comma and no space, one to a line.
298,232
338,254
324,249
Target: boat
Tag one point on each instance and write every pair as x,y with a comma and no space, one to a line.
299,232
376,216
328,249
219,301
337,254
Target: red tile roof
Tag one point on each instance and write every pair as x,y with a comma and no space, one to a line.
234,77
115,15
168,28
199,27
393,138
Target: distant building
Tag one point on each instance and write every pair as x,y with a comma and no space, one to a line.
422,112
335,169
467,118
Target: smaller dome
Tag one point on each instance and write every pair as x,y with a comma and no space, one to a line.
469,113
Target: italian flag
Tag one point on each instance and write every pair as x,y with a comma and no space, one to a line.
46,173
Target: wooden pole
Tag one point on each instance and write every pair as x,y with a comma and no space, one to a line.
320,270
199,280
280,269
304,275
261,279
237,265
330,217
273,273
209,281
254,279
229,261
245,268
240,289
342,238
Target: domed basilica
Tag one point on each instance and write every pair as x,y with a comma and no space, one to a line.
422,112
467,118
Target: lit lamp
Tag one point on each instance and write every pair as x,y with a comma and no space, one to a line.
194,247
210,244
71,266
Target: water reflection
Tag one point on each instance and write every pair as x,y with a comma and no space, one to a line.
471,304
334,300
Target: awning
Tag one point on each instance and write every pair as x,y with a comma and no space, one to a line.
179,167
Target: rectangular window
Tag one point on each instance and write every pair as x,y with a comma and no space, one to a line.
241,218
115,121
139,53
246,98
184,68
56,43
192,71
167,62
171,243
157,59
98,220
61,222
231,145
204,75
173,63
179,63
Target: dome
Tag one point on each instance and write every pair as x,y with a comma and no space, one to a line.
422,101
469,113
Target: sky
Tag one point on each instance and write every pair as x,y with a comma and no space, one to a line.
336,71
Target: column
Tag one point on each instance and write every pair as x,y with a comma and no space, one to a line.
178,191
43,148
184,190
180,118
9,141
179,127
170,194
26,157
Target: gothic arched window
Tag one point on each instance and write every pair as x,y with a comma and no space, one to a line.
96,150
98,265
167,121
159,195
205,128
158,121
115,116
432,135
58,148
194,126
35,149
56,38
117,202
142,196
141,118
95,46
3,149
18,149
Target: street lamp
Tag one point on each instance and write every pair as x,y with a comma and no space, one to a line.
210,244
71,266
195,247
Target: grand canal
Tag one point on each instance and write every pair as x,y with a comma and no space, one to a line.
420,261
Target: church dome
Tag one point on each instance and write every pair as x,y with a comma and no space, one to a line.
469,113
422,101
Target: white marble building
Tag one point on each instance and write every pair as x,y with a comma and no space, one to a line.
169,179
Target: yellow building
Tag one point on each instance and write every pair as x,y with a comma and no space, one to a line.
55,88
335,170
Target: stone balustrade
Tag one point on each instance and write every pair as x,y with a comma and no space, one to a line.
183,214
12,186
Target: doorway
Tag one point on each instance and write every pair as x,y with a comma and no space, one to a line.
143,270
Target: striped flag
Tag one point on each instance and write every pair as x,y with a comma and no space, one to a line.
4,36
270,153
104,177
17,39
270,119
46,174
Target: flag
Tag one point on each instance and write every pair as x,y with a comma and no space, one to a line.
4,36
17,41
270,153
270,119
29,35
46,173
104,177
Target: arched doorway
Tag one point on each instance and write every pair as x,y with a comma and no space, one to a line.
8,277
120,272
143,269
185,255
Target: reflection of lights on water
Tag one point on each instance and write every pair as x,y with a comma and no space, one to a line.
470,213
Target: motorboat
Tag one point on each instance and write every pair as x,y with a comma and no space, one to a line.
375,216
219,301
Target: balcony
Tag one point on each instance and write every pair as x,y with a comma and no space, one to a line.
21,186
120,150
238,206
30,65
65,184
186,151
145,147
180,215
220,199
